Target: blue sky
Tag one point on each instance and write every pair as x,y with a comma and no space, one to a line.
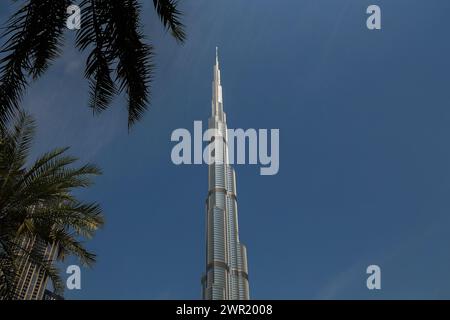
364,119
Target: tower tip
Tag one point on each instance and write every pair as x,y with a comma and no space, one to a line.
217,55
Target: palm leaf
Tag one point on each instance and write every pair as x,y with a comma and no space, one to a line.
171,17
33,40
37,203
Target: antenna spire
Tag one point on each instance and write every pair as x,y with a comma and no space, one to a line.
217,55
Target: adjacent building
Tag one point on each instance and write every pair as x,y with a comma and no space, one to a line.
31,281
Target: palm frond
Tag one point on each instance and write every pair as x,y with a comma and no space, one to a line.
68,245
98,65
33,40
112,33
134,67
37,202
170,16
14,150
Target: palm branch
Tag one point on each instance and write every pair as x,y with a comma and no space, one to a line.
36,202
110,32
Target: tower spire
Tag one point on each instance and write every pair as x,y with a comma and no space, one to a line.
217,55
217,101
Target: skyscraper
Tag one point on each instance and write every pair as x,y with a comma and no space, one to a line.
32,279
226,276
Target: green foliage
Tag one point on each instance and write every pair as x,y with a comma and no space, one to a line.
36,202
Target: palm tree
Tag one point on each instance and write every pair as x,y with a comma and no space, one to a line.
110,31
36,202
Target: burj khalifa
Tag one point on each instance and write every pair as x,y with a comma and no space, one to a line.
226,275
